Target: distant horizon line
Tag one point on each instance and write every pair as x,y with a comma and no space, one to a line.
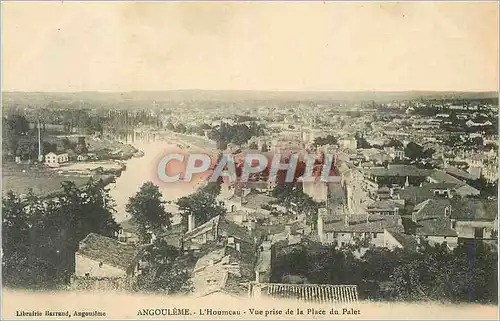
256,90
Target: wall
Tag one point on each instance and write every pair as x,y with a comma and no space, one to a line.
84,265
467,229
128,237
201,238
318,192
451,240
348,237
390,242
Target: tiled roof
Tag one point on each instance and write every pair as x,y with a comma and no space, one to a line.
430,219
256,200
440,226
467,190
317,293
129,226
459,173
221,226
336,194
387,205
110,251
441,186
212,223
415,194
224,269
359,223
174,234
443,177
418,194
209,280
228,228
407,241
474,209
431,208
398,170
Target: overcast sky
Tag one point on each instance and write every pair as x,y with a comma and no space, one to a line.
250,46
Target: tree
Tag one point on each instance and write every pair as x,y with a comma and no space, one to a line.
170,126
422,272
213,188
203,205
414,151
23,151
147,210
328,140
42,234
67,143
361,142
165,272
181,128
15,226
81,149
288,194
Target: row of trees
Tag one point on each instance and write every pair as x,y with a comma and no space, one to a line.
21,140
41,235
167,269
237,134
328,140
466,274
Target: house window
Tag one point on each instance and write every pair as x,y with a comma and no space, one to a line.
87,274
100,264
374,235
334,234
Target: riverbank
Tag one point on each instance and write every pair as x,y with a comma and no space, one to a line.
141,170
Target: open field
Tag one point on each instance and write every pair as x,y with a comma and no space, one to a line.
20,178
191,142
99,146
89,166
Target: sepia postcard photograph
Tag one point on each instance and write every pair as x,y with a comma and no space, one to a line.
249,160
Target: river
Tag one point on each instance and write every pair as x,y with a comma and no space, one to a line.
144,169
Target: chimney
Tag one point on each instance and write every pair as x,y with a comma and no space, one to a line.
238,247
447,211
320,222
257,276
191,223
414,216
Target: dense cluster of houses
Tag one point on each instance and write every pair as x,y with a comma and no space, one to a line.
404,206
375,201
